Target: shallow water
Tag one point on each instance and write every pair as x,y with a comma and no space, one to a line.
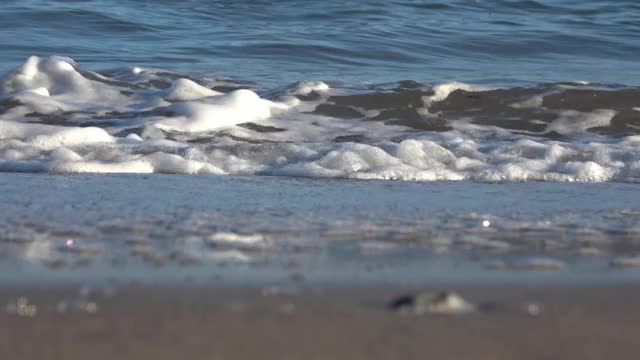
262,230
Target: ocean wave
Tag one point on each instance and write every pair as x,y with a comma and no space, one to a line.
57,117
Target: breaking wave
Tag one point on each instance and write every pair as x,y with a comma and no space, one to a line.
57,117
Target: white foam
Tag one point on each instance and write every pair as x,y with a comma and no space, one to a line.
581,82
189,128
37,91
137,167
185,89
56,75
571,121
236,238
47,137
307,87
64,154
441,92
240,106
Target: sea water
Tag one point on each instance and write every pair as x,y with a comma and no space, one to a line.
250,229
502,130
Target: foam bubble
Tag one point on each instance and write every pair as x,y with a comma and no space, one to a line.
56,74
185,89
307,87
64,154
240,106
47,137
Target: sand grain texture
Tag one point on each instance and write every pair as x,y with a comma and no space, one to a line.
328,324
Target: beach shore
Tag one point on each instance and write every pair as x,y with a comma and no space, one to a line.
156,272
213,322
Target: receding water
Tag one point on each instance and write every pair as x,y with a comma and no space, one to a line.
263,229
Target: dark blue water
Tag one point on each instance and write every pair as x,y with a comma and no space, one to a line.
492,42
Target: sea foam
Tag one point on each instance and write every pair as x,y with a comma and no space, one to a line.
57,117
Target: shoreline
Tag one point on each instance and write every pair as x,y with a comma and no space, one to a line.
154,268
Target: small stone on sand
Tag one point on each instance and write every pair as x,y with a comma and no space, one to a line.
439,303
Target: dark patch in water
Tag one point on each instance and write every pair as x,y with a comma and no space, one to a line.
61,118
128,131
623,123
105,80
156,84
261,128
229,88
160,111
242,139
403,85
350,138
386,100
337,111
8,104
511,108
427,6
506,23
312,96
494,108
419,123
589,100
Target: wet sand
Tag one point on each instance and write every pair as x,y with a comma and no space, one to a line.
201,322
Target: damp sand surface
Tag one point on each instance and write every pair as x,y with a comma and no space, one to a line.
190,322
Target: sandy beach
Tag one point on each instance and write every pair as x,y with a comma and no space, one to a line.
137,322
